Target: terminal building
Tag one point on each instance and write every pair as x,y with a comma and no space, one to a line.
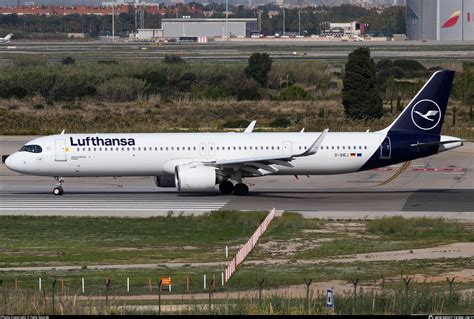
210,28
440,20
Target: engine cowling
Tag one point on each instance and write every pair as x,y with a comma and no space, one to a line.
165,181
194,177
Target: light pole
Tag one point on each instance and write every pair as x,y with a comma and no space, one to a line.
226,20
299,21
113,23
283,33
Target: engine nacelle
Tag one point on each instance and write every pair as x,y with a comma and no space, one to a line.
165,181
194,177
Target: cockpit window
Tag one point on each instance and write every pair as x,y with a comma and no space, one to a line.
31,149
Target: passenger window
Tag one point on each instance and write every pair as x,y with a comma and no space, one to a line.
338,147
78,149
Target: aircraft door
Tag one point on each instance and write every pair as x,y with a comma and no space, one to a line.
212,149
202,149
286,148
60,150
386,149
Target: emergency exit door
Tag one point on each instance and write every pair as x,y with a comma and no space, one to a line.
386,149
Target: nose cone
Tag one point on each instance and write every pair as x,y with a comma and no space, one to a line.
12,162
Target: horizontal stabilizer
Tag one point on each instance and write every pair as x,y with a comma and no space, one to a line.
436,143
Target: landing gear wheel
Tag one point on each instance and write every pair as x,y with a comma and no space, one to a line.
226,187
241,189
58,191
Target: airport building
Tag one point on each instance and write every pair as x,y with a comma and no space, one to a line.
190,27
440,20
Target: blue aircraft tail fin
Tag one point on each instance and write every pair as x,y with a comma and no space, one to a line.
425,113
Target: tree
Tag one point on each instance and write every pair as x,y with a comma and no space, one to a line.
258,67
360,95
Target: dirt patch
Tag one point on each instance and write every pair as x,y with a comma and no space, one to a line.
291,247
456,250
461,276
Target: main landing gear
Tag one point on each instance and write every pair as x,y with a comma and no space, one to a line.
58,190
239,189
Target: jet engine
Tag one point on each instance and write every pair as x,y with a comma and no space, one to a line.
195,177
165,181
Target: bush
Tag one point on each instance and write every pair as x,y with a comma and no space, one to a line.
248,91
280,122
173,59
393,72
294,93
68,60
236,124
155,79
122,89
242,88
213,93
409,65
384,64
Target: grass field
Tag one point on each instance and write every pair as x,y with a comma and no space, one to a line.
88,241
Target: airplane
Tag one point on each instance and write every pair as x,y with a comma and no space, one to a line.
7,38
201,161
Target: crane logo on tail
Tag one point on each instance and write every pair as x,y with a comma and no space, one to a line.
426,114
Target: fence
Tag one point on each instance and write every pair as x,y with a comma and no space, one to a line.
400,296
248,246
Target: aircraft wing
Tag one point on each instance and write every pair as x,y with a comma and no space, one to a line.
262,165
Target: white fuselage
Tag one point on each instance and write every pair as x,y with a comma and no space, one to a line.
158,154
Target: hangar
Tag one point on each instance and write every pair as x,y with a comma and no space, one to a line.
440,20
197,27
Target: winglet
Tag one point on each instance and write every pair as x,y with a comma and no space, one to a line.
313,149
249,128
62,133
302,130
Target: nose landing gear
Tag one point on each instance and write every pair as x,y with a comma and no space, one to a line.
58,190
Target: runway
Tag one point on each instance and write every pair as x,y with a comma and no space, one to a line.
438,186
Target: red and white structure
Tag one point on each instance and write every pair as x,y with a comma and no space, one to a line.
248,246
